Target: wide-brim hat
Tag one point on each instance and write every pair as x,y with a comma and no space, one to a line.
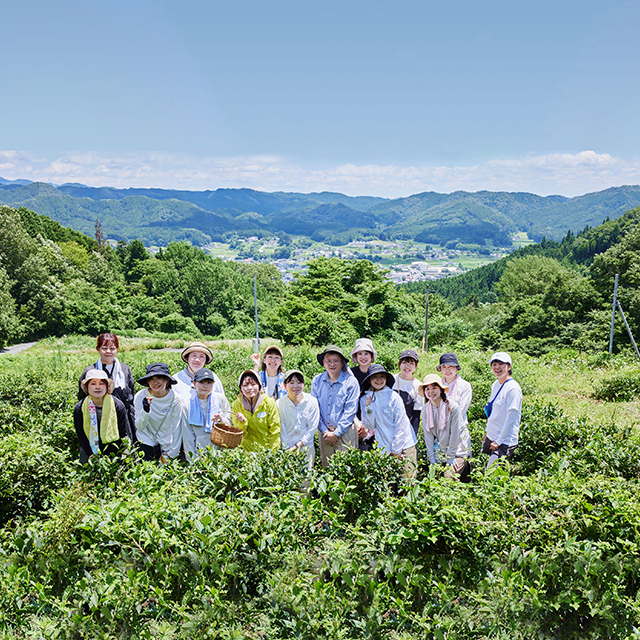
376,369
501,356
363,344
432,378
157,369
97,374
197,346
253,374
293,372
448,358
331,348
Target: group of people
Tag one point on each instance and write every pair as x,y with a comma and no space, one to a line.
349,407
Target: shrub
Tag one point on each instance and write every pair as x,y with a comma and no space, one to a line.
30,472
623,387
547,437
176,323
355,483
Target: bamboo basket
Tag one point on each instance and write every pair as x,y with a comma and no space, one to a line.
227,436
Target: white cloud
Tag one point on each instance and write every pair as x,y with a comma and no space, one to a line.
559,173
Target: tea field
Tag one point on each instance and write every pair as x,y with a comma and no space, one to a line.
236,546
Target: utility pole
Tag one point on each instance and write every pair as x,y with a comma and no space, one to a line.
425,340
626,324
613,313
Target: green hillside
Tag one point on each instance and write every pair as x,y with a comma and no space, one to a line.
575,251
157,216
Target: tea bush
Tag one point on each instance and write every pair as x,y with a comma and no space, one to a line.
354,485
237,546
30,471
622,387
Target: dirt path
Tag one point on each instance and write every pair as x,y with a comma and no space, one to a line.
16,348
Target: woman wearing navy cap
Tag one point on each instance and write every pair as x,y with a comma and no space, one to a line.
460,393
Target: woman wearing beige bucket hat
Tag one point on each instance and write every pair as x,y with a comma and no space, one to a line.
100,420
196,355
441,425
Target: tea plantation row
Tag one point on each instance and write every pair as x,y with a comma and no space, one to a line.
236,546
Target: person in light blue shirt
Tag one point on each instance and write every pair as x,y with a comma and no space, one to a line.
337,392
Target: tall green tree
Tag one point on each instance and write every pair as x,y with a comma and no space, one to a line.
341,300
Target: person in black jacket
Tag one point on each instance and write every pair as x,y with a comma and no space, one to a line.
107,346
100,420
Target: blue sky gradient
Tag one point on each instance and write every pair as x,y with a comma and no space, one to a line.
377,97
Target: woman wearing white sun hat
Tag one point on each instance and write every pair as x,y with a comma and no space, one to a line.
503,411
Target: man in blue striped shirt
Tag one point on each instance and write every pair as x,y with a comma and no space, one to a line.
337,392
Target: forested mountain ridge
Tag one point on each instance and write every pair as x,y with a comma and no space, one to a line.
577,252
55,281
157,216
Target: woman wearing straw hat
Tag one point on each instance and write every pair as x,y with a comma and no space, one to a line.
460,392
440,424
299,416
107,346
159,414
100,420
256,414
270,372
196,355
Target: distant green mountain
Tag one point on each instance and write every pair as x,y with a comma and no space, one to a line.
157,216
576,251
126,218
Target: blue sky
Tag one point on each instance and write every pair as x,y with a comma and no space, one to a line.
373,98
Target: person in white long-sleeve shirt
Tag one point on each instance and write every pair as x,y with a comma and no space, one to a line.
206,407
407,386
383,412
503,411
299,416
460,393
440,424
159,414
